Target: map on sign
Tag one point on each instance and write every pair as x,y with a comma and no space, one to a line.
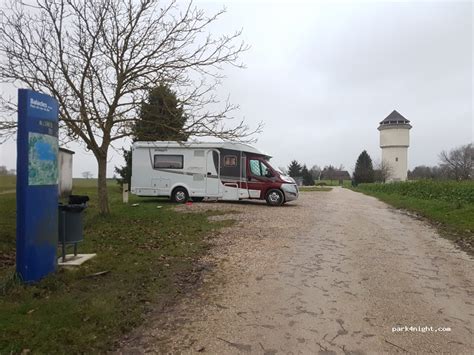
43,159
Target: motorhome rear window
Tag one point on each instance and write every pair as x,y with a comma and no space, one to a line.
230,160
162,161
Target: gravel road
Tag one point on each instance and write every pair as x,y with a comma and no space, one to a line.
333,272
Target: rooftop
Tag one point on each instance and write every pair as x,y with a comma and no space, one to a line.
395,118
200,145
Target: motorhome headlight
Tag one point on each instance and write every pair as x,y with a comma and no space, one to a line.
290,190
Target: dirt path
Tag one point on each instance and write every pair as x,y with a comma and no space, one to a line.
332,273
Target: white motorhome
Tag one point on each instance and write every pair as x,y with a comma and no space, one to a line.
196,170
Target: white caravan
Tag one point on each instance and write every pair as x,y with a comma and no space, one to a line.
196,170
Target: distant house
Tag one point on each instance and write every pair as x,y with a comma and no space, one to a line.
329,174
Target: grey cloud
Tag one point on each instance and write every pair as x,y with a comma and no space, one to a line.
321,75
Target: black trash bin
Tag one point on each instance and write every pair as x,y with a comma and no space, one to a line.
70,225
78,199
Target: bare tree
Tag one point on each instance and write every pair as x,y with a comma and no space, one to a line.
459,162
99,58
428,172
315,172
87,175
383,171
328,173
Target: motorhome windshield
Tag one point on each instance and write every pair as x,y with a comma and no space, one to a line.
267,162
269,168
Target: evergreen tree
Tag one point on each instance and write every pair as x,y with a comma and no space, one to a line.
307,177
294,169
364,171
125,172
161,119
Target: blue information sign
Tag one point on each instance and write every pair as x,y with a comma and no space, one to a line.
37,185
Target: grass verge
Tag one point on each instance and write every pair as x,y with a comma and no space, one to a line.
7,183
454,221
146,252
314,188
345,183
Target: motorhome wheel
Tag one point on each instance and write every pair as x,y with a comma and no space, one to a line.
180,195
275,197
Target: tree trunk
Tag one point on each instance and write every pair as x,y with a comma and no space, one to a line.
103,196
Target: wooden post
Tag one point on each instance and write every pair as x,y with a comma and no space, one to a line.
125,193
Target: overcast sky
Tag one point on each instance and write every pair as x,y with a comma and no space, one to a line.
321,75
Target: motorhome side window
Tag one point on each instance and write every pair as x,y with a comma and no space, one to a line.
230,160
162,161
258,168
255,167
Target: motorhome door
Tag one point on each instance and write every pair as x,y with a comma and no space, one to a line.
213,180
243,191
257,181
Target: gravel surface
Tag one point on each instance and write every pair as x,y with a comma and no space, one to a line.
333,272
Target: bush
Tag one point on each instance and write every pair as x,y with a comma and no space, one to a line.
449,191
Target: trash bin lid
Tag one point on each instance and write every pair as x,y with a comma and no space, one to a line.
78,199
72,208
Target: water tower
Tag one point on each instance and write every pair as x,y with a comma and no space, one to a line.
394,141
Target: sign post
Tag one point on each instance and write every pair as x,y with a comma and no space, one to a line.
125,193
37,185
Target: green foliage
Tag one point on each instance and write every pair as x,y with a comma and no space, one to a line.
294,169
125,172
307,177
148,253
345,183
161,117
7,234
314,188
450,191
364,170
7,183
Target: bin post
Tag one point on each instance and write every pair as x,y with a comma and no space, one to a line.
63,236
125,193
